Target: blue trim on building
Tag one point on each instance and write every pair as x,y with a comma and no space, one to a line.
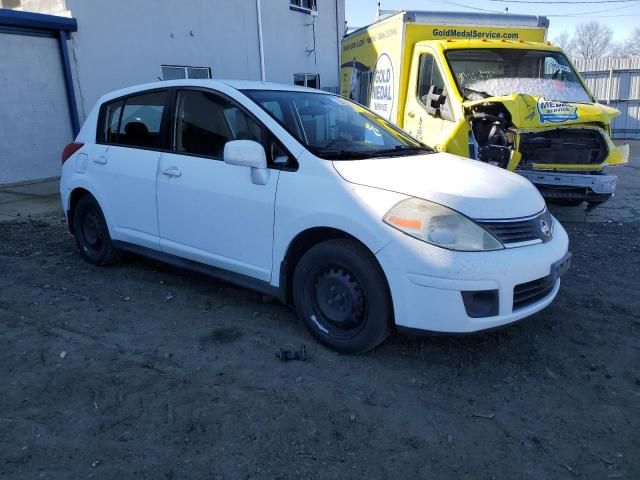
37,20
27,23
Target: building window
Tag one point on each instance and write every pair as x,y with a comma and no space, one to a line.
306,6
177,72
311,80
11,4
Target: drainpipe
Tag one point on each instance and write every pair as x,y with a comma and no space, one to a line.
263,75
339,42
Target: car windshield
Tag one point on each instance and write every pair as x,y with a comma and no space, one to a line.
333,127
491,72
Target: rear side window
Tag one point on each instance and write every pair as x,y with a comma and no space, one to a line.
205,123
135,121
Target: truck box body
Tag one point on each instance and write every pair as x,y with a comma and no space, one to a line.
416,69
392,39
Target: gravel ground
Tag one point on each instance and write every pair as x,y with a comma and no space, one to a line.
143,371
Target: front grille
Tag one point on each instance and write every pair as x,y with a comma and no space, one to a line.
529,293
563,146
510,232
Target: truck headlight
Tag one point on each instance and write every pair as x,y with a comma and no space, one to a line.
440,226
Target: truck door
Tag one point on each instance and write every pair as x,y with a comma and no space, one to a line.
428,115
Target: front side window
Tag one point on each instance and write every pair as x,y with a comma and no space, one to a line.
490,72
333,127
429,77
205,123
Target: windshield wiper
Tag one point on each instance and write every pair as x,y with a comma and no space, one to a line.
479,92
343,155
402,150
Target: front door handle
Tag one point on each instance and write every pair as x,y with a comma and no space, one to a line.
411,114
172,172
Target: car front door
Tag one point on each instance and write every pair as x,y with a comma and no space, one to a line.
127,167
429,125
210,211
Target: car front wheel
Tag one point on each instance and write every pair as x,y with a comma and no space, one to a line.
341,294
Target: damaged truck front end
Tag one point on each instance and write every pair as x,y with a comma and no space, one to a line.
529,111
566,162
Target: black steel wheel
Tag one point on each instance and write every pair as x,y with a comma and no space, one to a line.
92,233
341,294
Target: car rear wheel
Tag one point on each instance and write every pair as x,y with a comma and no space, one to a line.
341,294
92,234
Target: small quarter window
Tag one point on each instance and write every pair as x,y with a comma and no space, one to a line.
110,118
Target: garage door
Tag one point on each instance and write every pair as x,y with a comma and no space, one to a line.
34,112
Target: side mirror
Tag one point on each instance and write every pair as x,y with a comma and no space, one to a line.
434,100
247,153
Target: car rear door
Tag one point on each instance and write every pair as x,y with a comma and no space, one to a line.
134,132
210,211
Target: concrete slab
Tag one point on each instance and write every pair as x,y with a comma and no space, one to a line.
34,199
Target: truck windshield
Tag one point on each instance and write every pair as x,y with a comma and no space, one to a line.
492,72
333,127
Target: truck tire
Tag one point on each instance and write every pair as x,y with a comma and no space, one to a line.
341,295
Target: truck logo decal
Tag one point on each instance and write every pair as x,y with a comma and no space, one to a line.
556,112
381,100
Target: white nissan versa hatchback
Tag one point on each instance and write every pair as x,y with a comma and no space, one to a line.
313,199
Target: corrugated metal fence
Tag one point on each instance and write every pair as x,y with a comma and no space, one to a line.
616,82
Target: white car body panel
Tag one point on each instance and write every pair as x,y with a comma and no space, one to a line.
210,197
212,213
474,188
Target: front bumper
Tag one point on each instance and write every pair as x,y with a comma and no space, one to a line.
427,282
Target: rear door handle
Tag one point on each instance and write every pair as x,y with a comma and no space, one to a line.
172,172
101,160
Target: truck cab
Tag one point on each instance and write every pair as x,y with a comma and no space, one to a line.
490,88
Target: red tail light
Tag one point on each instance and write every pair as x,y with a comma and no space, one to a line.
70,149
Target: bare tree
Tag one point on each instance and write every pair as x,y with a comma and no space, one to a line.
565,42
631,45
592,40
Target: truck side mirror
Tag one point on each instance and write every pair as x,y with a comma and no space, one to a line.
434,100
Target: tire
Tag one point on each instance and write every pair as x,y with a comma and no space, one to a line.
92,234
565,202
341,295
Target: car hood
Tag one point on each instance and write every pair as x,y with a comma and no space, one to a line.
476,189
532,112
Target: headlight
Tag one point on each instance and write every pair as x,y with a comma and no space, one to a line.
440,226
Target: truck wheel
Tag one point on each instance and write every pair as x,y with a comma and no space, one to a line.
92,234
341,295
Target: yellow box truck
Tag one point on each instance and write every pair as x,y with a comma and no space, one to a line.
488,87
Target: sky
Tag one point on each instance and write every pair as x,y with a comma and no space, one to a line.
620,16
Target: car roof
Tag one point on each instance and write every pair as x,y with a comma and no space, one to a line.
216,84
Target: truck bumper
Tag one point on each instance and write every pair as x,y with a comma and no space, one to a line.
590,188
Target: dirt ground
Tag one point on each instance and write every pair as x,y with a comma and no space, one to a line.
143,371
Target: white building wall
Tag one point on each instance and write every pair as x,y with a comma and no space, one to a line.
34,116
122,42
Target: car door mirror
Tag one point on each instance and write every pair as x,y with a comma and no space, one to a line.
434,100
248,153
